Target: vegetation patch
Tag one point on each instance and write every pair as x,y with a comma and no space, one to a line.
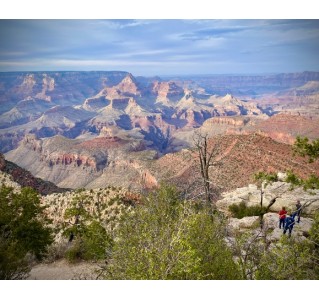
24,231
241,210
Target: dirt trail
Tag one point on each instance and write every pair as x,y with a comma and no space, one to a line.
62,270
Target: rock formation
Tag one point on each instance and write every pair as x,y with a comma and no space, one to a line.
25,179
88,127
167,92
93,163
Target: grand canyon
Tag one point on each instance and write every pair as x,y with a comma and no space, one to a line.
92,129
159,150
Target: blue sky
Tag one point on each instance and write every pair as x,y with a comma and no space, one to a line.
161,47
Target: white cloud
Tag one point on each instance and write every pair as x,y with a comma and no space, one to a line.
118,24
143,53
16,63
101,63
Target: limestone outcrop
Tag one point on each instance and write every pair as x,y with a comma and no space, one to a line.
282,192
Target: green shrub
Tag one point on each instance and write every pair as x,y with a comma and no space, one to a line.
311,183
167,238
23,231
268,177
289,259
74,253
241,210
91,241
305,148
96,242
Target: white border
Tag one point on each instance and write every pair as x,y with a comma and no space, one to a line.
160,9
121,289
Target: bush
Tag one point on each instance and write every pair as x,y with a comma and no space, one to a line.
241,210
56,251
74,253
95,242
23,231
90,240
311,183
167,238
289,259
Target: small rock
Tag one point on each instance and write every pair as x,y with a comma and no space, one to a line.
281,176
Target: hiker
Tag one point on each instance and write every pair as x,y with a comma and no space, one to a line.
289,224
282,217
298,210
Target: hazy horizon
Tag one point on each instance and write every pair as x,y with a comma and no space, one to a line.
161,47
163,75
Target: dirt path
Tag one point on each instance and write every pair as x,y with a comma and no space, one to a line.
62,270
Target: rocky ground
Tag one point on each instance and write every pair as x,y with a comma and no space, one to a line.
270,225
62,270
237,159
280,194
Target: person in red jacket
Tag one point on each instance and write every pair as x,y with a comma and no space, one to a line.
282,216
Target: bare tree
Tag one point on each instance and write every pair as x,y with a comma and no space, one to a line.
207,158
262,180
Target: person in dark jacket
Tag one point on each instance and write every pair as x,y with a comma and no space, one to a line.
289,224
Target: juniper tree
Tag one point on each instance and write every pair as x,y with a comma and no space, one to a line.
23,230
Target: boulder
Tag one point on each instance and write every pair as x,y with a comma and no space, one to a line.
275,235
242,224
281,176
271,221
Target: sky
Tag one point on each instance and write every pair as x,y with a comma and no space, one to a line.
246,36
161,46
